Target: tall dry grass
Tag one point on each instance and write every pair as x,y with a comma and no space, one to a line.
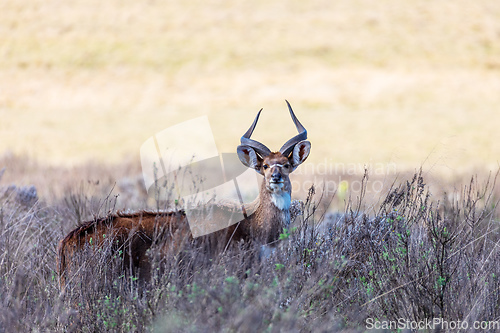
414,255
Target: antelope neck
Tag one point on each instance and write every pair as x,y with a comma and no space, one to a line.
281,200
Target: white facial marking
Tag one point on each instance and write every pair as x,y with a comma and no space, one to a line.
276,187
280,183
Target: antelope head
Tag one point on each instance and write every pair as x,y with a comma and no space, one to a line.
275,166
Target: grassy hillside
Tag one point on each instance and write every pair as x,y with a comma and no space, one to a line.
386,82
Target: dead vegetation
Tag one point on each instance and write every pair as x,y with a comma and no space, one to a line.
414,255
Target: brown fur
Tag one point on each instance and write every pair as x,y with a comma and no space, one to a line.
132,233
135,233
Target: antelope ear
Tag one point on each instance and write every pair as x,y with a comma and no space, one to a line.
300,153
249,157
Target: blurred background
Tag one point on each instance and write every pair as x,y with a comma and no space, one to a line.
387,84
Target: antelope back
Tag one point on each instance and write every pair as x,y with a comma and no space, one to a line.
130,235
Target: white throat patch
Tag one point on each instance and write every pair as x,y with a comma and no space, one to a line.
281,200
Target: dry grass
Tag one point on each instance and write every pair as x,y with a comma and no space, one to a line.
403,253
373,82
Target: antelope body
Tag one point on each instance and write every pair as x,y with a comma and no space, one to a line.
133,234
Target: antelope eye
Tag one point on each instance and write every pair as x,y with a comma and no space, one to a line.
266,166
287,166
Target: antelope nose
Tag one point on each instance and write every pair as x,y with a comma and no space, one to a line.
276,177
